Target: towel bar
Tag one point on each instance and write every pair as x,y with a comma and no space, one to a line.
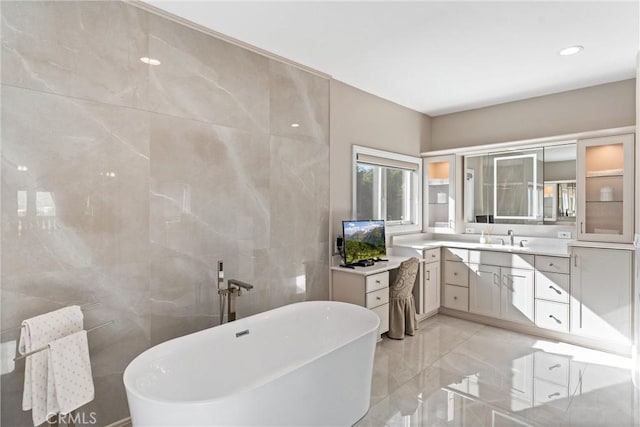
22,356
84,307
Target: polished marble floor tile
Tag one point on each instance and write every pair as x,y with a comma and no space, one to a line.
459,373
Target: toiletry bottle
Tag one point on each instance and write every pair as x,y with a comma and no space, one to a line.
482,239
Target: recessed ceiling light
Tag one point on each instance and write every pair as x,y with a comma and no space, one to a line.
571,50
150,61
295,125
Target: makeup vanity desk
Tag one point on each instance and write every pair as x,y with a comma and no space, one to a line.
369,286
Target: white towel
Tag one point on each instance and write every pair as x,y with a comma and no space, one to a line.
37,333
70,369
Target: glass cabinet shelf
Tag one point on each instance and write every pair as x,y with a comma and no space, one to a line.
607,173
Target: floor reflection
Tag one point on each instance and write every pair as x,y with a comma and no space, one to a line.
458,373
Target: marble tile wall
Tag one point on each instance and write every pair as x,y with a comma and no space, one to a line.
124,183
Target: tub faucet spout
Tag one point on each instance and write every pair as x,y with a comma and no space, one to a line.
234,290
239,284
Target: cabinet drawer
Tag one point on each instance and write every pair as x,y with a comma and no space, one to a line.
551,367
383,313
377,281
431,255
456,297
376,298
502,259
553,286
456,273
456,254
552,264
552,315
544,391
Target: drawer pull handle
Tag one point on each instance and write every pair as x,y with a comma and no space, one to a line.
550,264
455,297
455,274
553,395
558,321
428,274
433,255
378,298
377,281
557,291
551,368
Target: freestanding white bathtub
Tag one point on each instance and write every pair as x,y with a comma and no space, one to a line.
304,364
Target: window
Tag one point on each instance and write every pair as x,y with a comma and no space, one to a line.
387,186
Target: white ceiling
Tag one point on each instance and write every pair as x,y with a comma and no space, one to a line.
438,57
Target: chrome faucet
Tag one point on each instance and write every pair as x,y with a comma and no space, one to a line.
233,290
511,237
239,284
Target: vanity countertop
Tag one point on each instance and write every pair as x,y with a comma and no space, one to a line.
535,248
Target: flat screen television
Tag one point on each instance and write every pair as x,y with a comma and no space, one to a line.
363,240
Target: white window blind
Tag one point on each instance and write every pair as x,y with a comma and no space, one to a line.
386,162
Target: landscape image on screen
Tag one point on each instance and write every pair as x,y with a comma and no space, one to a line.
363,240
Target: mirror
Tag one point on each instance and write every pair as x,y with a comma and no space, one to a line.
559,201
516,189
533,186
560,184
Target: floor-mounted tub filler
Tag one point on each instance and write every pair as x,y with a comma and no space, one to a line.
304,364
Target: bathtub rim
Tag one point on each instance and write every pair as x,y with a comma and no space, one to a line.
271,376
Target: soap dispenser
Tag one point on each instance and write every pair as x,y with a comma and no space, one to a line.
483,240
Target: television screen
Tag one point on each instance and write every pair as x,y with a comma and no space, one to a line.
363,240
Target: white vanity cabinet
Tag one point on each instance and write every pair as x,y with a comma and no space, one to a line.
605,182
601,300
455,292
484,290
431,294
553,285
502,285
366,290
517,303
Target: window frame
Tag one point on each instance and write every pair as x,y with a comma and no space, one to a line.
412,202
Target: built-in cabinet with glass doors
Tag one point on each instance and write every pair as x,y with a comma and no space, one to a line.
605,188
440,194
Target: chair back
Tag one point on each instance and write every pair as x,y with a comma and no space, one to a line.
403,284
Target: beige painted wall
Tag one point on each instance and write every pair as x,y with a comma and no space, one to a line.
359,118
597,107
